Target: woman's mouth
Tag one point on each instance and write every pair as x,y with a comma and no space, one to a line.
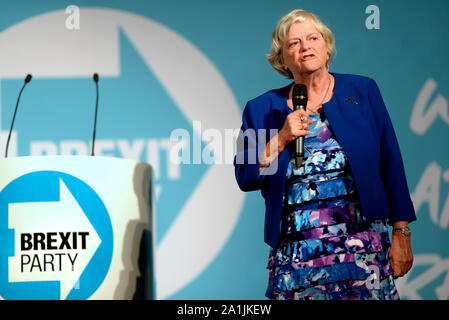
307,57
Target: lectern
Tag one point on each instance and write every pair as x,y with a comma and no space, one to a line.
76,227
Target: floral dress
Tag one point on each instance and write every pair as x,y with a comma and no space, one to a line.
327,250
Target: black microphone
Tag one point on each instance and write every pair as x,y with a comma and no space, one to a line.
299,100
96,111
27,79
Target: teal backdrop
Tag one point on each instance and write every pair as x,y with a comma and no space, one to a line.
403,45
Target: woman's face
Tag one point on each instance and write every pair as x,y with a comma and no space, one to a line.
304,49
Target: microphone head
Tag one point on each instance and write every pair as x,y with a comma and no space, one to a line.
299,96
96,77
28,78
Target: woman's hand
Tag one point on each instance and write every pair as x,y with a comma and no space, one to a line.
294,127
400,255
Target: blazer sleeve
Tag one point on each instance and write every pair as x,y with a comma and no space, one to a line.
391,164
246,160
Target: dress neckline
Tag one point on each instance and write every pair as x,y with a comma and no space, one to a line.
322,106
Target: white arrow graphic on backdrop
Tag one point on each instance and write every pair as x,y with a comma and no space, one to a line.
63,216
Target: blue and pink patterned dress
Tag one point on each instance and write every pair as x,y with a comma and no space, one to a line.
328,250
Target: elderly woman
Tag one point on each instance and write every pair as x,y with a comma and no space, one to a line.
326,220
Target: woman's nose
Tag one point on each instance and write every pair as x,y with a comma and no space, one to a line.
305,45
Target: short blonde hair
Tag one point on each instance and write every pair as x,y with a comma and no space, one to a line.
275,55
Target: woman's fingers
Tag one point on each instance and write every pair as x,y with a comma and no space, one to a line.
296,124
400,267
409,263
303,121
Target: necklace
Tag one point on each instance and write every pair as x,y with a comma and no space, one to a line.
325,95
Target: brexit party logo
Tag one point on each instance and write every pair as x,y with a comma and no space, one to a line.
153,81
58,238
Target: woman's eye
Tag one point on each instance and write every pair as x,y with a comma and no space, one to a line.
292,44
314,38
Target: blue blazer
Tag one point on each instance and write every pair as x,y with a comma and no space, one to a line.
361,124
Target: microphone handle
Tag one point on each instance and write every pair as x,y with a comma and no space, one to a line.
299,146
14,118
299,151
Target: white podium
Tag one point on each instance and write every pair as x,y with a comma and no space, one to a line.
76,227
